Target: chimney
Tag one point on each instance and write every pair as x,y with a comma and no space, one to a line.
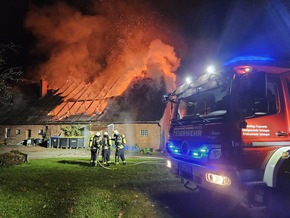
43,87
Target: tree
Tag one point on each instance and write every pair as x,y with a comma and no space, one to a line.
72,131
8,73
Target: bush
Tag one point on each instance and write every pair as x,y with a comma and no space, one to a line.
73,130
146,151
12,158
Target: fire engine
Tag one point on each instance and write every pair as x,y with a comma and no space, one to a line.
229,130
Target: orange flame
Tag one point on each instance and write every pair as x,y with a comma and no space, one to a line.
99,53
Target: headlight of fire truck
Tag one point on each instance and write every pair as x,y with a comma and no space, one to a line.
218,179
168,164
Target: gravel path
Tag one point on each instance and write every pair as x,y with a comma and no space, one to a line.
37,152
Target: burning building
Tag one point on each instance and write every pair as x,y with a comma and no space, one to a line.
42,112
99,66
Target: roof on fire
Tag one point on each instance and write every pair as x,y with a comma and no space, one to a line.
77,103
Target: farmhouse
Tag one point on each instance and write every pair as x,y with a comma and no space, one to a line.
68,116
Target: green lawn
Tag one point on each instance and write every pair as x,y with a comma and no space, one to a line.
68,187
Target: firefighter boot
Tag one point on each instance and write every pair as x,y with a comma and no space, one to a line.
117,160
93,164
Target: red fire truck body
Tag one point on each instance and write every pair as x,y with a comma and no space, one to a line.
229,131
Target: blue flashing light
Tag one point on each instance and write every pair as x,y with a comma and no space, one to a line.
200,152
247,58
176,151
171,148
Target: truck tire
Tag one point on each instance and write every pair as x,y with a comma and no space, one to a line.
283,178
279,197
221,205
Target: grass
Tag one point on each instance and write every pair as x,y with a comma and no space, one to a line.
68,187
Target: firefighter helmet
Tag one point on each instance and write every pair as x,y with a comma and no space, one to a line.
106,133
97,134
116,132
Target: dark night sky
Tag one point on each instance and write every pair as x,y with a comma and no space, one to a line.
213,30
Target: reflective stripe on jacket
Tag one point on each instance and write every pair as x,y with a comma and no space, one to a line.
106,142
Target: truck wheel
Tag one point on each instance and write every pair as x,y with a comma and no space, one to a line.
280,195
258,196
283,178
219,204
277,203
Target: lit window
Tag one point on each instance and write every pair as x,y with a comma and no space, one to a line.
144,132
17,131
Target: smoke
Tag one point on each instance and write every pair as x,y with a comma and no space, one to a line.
140,101
72,42
106,47
162,62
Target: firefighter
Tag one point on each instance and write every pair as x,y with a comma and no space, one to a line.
106,149
120,142
95,148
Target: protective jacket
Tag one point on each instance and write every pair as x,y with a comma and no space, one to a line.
97,142
106,145
120,141
95,147
106,142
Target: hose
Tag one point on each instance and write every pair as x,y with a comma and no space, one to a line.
107,168
134,164
146,162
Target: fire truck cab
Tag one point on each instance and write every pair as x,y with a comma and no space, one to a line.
229,131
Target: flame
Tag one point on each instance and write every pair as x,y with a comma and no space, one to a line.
101,51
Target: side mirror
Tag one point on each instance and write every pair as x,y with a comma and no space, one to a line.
165,98
243,124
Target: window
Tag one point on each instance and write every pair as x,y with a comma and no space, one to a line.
40,132
7,133
258,100
204,102
28,132
272,97
17,131
144,132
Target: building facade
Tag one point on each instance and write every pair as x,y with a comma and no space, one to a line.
46,112
145,134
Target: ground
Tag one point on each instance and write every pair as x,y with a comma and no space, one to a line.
177,201
36,152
